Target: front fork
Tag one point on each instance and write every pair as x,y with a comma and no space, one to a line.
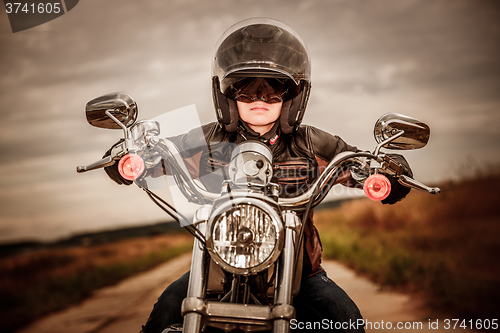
286,269
282,310
196,287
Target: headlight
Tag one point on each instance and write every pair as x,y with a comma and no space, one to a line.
246,237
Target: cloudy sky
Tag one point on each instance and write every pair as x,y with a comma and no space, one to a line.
437,61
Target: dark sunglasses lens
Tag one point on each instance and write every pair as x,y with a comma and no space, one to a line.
244,98
268,99
267,90
274,99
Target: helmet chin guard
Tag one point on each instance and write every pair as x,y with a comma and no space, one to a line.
261,47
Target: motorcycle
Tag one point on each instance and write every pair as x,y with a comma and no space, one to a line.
247,256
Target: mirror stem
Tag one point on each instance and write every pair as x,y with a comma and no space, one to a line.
126,132
377,149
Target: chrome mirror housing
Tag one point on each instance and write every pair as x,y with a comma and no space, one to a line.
410,133
119,104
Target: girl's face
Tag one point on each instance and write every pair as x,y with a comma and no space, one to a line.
260,116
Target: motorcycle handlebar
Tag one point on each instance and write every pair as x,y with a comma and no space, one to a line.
172,153
322,185
316,192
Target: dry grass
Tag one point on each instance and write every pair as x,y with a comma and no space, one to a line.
35,284
445,247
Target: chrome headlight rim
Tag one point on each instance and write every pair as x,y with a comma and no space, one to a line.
276,221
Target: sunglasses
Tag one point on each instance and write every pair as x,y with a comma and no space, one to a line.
259,89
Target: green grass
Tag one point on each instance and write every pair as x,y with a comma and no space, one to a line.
444,248
35,285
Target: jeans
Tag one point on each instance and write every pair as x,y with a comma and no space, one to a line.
321,306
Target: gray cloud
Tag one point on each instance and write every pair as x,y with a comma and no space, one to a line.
437,61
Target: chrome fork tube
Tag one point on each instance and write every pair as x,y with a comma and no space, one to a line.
284,284
196,287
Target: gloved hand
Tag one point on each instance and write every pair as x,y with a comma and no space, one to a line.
112,171
398,191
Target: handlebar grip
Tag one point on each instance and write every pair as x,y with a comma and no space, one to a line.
415,184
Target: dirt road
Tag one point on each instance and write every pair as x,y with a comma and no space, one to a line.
125,307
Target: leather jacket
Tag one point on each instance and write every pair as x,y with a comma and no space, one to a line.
298,159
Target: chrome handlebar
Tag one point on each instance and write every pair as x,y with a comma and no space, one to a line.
170,151
316,192
325,180
321,186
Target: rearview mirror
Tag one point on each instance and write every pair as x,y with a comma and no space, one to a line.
119,104
415,133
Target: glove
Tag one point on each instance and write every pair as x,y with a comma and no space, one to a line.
112,171
398,191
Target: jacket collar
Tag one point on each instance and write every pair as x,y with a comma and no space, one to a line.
270,137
